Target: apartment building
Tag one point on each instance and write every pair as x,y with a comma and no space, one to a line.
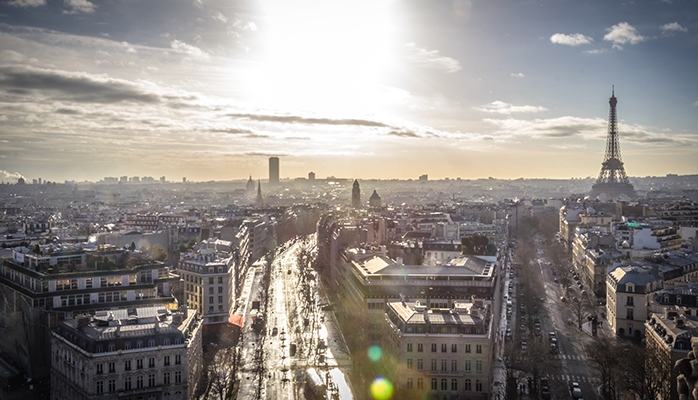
139,353
207,281
39,289
440,353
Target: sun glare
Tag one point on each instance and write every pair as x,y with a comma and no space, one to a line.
329,56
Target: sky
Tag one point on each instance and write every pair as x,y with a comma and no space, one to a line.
383,89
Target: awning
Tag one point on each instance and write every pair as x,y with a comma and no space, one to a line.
236,319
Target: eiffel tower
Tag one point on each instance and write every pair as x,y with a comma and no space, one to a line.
612,181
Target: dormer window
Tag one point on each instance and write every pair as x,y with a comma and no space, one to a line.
678,299
630,288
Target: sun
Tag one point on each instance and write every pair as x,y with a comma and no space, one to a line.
329,56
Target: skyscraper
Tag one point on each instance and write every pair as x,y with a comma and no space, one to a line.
273,170
356,195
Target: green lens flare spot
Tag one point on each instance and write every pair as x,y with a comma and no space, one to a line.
375,353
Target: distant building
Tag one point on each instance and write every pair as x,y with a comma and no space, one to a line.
423,178
139,353
356,195
273,170
311,176
375,200
259,202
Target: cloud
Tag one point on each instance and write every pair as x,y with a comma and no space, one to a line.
517,75
26,3
586,128
192,51
403,133
432,59
574,39
218,16
671,28
79,6
623,33
295,119
500,107
595,51
79,87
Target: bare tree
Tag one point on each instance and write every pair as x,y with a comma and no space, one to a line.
646,371
221,372
603,355
580,306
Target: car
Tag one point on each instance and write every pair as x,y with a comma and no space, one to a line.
552,335
575,390
553,341
509,333
553,348
563,299
556,280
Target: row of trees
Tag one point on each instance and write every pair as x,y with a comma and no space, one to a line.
626,367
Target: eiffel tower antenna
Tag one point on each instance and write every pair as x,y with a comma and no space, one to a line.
612,180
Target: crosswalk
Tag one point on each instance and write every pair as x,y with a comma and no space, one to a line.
574,378
568,357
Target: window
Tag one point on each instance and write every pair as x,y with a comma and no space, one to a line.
468,385
112,385
478,348
220,280
420,364
433,365
178,359
166,361
410,383
444,384
454,365
409,347
127,345
420,383
166,342
433,384
454,385
127,365
467,348
443,347
100,369
127,383
409,363
210,299
630,314
139,363
220,289
166,378
443,365
433,347
630,288
151,362
178,376
478,385
139,344
454,348
467,365
100,387
112,367
220,299
210,290
151,342
478,366
139,382
111,346
210,281
631,301
151,380
420,347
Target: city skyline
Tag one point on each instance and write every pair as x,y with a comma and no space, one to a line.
376,89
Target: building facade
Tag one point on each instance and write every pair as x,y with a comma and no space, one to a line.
145,353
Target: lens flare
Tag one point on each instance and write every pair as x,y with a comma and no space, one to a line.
381,389
375,353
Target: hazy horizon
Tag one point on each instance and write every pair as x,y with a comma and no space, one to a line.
392,89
